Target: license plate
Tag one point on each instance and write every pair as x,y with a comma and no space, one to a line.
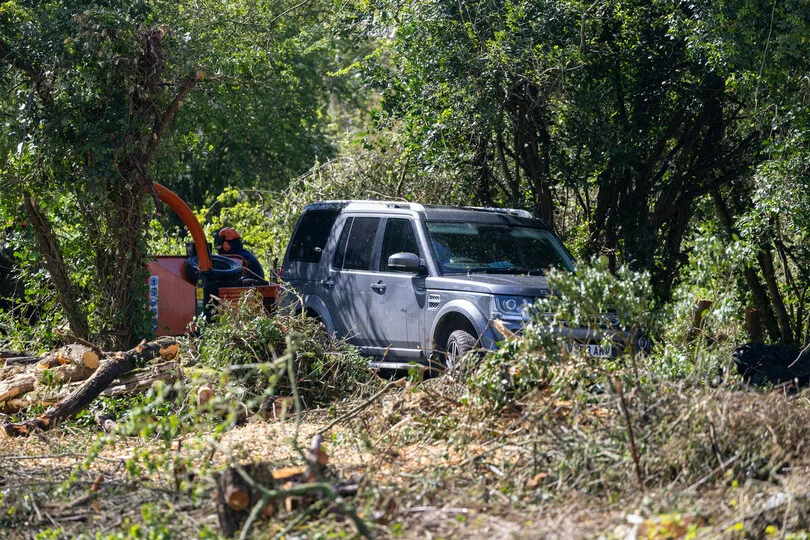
591,349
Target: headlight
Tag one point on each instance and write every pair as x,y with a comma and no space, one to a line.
512,307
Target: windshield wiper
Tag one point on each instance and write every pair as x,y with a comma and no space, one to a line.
507,270
494,270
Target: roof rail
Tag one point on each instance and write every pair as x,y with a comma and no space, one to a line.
512,211
360,203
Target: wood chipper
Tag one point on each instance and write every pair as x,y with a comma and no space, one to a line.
182,287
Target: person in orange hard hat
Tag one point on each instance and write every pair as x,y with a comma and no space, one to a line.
228,241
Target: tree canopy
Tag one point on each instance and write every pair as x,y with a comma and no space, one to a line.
630,127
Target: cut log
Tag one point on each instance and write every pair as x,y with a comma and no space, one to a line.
236,497
132,383
17,386
80,355
112,368
21,360
15,405
204,395
142,380
286,488
66,373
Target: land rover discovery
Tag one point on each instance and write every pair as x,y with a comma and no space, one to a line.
407,283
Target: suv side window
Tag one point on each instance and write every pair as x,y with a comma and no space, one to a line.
311,234
399,237
356,242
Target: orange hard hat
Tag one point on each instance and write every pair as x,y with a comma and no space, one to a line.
229,233
225,235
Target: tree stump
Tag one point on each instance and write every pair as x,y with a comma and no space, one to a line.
698,311
753,324
235,497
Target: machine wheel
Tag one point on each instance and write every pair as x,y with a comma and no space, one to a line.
226,270
459,344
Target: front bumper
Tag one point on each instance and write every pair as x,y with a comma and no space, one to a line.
619,339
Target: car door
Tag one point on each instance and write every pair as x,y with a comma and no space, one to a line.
348,283
396,300
302,265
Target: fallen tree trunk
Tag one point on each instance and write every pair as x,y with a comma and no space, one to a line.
120,364
143,379
136,381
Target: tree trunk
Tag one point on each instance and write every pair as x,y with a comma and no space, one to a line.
766,263
698,312
20,360
143,379
532,144
761,300
55,265
753,325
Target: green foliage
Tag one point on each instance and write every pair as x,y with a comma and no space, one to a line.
92,111
713,274
250,350
612,120
542,356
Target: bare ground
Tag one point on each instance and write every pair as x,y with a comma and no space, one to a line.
432,466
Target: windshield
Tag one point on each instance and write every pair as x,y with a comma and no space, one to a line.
496,248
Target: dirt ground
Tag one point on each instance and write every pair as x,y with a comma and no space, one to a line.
413,483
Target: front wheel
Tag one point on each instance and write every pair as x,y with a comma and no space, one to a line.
459,344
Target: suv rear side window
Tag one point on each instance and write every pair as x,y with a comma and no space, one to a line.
356,242
398,238
311,234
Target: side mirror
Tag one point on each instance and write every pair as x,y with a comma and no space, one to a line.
406,262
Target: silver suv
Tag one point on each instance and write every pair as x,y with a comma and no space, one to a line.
410,283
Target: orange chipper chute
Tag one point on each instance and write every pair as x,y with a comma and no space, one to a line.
190,221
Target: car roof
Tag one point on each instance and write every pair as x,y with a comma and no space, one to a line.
431,211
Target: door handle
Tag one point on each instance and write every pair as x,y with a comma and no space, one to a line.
327,282
379,287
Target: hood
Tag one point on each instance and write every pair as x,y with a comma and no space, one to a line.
509,284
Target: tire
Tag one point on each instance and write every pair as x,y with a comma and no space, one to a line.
459,344
226,270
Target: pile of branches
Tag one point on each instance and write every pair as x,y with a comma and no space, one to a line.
67,380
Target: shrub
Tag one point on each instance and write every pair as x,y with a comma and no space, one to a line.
246,346
592,298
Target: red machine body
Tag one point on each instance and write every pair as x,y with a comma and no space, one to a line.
172,296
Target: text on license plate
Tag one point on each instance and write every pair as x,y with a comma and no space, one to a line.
591,349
